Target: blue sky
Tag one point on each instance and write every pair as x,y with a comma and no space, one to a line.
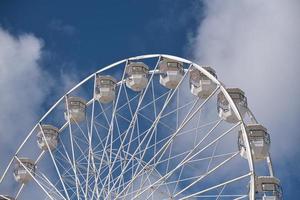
73,39
97,33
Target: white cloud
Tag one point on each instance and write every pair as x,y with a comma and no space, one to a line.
23,86
60,26
255,45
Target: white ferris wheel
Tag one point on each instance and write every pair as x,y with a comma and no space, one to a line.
146,127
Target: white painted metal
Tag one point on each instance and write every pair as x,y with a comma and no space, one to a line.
5,197
91,182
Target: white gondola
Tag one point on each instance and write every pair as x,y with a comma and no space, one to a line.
77,109
51,137
200,84
171,73
5,197
259,141
225,110
267,188
137,76
20,173
105,90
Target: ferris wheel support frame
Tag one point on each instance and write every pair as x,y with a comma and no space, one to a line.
220,87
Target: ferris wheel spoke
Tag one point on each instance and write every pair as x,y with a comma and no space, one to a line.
122,149
188,117
103,111
138,133
190,155
95,182
241,197
135,115
177,124
83,152
213,155
164,140
196,180
146,135
189,164
46,183
88,143
82,155
19,191
124,118
231,155
217,186
165,94
54,163
207,173
104,152
220,193
155,113
179,179
194,177
128,131
178,108
72,163
52,186
127,102
159,122
110,132
118,134
153,126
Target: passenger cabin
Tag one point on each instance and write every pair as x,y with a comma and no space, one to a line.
200,84
259,140
224,108
171,73
77,109
20,173
51,137
137,76
105,91
267,188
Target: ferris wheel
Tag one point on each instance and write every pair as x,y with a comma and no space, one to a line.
146,127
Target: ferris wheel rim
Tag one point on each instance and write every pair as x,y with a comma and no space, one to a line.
147,56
